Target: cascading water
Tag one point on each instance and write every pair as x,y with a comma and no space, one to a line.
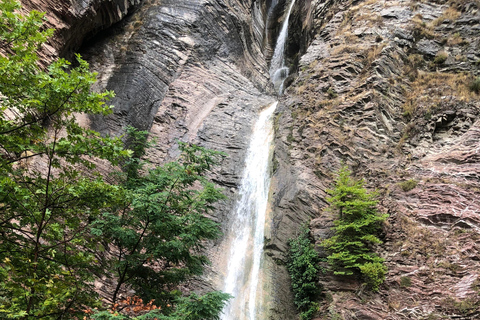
278,70
246,234
247,230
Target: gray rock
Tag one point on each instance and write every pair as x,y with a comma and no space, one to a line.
399,13
428,47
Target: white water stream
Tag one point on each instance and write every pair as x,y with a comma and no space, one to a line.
278,70
246,235
247,229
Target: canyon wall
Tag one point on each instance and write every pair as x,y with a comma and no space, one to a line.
386,87
75,21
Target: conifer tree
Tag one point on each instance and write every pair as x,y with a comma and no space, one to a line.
356,230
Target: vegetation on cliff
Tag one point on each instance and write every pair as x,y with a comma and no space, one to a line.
356,230
64,225
303,267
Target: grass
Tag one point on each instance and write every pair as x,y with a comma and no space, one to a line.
426,91
450,14
372,54
475,85
456,40
345,48
421,29
420,240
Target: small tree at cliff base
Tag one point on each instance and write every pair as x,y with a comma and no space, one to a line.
356,231
303,267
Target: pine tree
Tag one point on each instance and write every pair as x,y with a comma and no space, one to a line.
356,230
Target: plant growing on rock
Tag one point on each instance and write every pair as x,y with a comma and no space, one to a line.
440,58
475,85
408,185
303,267
356,230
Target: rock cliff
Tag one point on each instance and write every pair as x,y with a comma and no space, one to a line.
390,88
76,20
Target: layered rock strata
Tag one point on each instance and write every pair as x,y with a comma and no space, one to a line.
384,86
188,71
76,20
388,88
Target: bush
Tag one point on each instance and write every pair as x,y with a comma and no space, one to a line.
440,58
374,274
475,85
405,282
303,267
408,185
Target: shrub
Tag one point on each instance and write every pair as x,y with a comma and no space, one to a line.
475,85
440,58
374,274
303,267
408,185
405,282
331,93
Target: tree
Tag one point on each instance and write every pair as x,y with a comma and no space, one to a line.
356,230
152,243
47,203
62,225
193,307
162,223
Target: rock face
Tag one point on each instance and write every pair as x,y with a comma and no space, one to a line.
191,71
387,87
77,20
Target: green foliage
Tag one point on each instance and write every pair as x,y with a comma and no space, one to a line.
46,203
164,218
60,227
331,93
374,274
205,307
440,58
351,248
405,282
408,185
193,307
137,142
303,267
475,85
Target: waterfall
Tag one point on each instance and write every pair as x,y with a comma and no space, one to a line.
278,70
248,221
